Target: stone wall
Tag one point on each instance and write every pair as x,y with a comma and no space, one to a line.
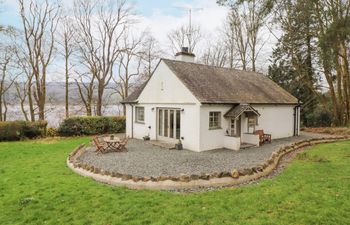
220,178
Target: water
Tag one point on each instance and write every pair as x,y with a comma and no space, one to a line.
55,114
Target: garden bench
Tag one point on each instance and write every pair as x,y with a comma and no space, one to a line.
263,138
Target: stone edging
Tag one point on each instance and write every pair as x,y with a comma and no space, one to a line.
217,179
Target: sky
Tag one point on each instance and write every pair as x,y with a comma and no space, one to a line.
160,17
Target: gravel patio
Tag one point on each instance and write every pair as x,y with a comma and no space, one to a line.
145,159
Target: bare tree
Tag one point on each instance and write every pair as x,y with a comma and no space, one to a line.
39,21
215,55
66,41
22,94
151,53
25,91
6,80
101,25
130,61
243,29
86,87
185,36
236,35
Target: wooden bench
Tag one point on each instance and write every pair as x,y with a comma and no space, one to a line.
263,138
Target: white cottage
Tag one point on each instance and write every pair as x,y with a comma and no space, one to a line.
209,107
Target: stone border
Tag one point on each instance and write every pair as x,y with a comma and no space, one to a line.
183,181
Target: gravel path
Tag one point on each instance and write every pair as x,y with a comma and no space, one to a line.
144,159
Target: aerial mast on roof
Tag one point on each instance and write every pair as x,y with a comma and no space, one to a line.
190,10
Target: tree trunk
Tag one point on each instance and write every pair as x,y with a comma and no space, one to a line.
30,101
5,107
346,81
1,107
99,99
67,86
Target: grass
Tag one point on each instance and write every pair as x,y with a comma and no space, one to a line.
36,187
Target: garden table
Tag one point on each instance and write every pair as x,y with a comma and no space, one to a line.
112,143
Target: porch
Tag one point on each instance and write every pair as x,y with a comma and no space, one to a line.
242,120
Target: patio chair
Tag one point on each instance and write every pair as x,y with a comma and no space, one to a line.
122,144
263,138
100,148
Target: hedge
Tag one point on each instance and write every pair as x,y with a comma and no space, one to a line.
17,130
91,125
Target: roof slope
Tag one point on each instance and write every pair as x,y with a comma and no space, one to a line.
132,98
211,84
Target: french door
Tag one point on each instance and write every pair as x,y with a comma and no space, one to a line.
169,121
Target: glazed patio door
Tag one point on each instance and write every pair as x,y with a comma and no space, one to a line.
169,121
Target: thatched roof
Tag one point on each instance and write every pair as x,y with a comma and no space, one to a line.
216,85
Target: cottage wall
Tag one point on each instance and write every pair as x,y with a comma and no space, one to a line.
277,120
165,90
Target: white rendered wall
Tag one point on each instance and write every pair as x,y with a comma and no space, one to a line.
253,139
165,90
233,143
277,120
212,139
165,87
189,123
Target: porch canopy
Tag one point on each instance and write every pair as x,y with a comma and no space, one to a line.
238,110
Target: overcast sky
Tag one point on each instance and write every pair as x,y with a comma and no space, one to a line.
161,16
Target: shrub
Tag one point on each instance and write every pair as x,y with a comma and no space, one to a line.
17,130
52,132
91,125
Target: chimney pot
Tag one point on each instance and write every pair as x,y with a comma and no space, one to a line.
184,49
185,55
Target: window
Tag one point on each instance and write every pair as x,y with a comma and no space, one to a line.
233,127
214,120
140,114
252,122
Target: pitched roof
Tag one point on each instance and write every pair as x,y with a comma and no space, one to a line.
210,84
236,111
132,98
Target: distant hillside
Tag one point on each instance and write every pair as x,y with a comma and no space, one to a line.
56,93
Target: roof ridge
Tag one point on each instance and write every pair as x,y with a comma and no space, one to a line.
212,66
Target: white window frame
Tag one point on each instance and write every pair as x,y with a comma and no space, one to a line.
252,125
137,114
214,117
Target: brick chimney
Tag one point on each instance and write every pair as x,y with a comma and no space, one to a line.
185,55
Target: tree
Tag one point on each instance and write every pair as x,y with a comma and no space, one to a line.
130,61
6,79
67,33
24,91
39,21
292,66
245,22
333,34
22,94
150,53
237,37
100,25
215,55
185,36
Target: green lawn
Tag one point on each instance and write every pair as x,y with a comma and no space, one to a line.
36,187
